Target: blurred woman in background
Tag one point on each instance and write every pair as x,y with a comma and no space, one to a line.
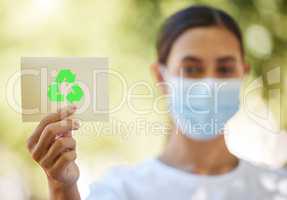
201,66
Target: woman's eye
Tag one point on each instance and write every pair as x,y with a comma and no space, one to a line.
225,70
195,71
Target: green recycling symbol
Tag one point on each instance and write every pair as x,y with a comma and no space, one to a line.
65,76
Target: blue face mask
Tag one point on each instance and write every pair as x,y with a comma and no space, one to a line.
201,107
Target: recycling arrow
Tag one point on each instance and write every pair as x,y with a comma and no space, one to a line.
65,76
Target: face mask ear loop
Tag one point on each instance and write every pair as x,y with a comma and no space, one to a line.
166,76
163,71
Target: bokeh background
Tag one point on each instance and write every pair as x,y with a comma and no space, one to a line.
125,32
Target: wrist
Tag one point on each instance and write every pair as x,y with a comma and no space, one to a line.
60,190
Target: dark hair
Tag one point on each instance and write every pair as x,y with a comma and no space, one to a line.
191,17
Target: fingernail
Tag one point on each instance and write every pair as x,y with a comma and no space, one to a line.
72,108
77,124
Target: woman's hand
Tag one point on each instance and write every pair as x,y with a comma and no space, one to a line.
53,148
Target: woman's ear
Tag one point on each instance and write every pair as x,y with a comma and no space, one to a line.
246,68
156,72
158,76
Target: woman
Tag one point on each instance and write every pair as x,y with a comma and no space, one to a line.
201,60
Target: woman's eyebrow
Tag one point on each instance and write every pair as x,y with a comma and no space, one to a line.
191,58
224,59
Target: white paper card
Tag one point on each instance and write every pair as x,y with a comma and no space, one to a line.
50,83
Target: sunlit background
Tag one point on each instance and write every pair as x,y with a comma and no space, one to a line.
125,32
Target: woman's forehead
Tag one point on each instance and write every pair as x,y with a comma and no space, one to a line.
203,42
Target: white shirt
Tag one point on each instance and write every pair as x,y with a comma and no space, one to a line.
154,180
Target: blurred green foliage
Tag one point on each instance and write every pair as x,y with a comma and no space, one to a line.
125,32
